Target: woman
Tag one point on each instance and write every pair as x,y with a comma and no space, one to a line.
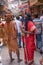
30,40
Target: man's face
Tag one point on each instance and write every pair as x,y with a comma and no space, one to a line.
23,14
7,19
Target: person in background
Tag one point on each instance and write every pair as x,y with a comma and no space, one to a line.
38,34
41,18
18,23
2,30
22,19
30,40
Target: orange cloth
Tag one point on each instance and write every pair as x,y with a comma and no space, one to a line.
11,34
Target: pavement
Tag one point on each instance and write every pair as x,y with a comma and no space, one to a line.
6,58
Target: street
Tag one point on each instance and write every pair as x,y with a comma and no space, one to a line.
6,58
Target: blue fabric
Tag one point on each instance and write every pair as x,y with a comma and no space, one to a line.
39,41
22,19
19,39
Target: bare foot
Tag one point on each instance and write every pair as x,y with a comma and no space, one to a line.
25,62
19,60
31,62
12,60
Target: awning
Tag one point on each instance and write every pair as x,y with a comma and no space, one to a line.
35,3
32,2
38,3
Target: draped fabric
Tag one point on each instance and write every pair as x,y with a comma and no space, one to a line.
11,36
30,42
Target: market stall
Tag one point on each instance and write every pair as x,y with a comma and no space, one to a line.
36,7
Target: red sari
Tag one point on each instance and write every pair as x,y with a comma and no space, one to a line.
30,42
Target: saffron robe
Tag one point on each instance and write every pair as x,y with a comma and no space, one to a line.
11,38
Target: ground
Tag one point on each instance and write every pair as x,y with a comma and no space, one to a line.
6,58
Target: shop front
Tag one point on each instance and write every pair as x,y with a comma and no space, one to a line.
36,6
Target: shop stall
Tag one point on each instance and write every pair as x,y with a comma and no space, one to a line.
36,7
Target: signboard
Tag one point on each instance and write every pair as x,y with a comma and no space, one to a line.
23,6
32,2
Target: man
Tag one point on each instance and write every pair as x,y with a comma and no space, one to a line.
38,26
22,19
11,32
18,23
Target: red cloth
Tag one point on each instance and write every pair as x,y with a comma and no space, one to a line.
30,43
22,38
3,23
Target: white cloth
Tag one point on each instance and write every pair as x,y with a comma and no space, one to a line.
18,23
41,18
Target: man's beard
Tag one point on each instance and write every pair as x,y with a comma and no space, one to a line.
8,20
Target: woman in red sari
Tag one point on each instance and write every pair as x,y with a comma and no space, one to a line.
30,40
